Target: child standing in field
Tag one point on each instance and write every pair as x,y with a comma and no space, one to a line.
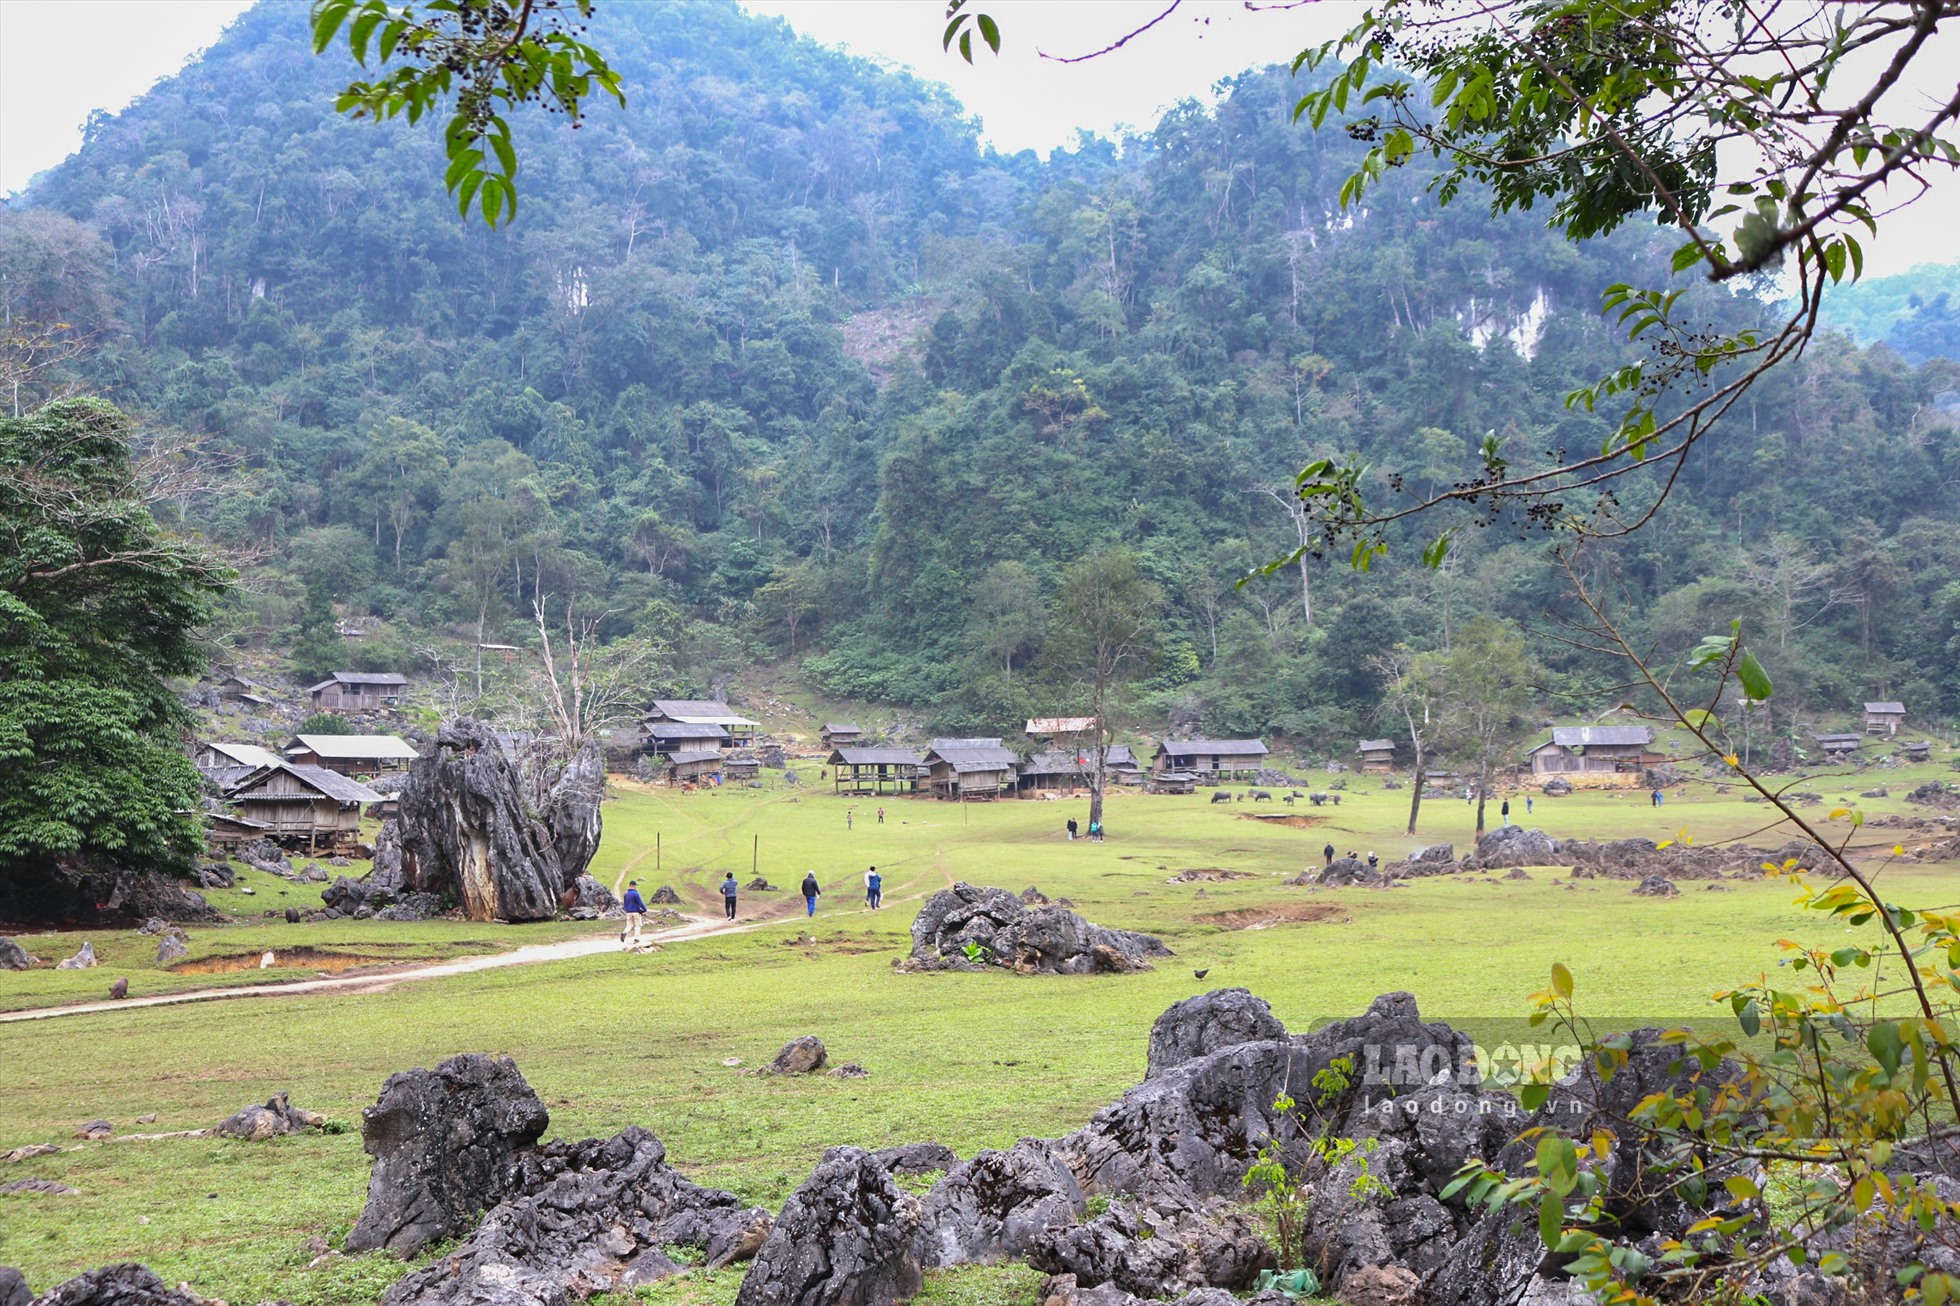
636,910
881,816
874,889
847,818
729,890
810,893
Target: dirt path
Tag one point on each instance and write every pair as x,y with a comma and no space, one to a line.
380,980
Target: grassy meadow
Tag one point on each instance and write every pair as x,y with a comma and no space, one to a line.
970,1060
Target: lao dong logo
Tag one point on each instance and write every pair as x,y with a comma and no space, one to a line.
1405,1067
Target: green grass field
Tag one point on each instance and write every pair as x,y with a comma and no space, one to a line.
971,1060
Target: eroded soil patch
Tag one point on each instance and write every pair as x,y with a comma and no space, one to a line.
282,959
1265,918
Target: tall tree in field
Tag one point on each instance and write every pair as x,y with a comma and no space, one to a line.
1104,637
1006,617
97,607
1413,694
1487,678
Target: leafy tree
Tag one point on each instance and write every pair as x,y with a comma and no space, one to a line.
326,723
1414,694
319,651
1487,681
1103,639
97,607
1008,616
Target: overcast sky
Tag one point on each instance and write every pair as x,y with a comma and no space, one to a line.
62,59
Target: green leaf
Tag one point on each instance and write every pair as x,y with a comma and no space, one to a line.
1699,717
989,32
1561,980
1755,680
1886,1047
1551,1219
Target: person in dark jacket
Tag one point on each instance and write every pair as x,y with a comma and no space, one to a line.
636,912
1505,811
1328,853
1072,828
729,891
810,893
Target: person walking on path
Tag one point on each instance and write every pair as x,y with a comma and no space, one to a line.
810,893
1505,811
636,912
729,890
1072,828
874,889
1328,853
1527,804
1654,799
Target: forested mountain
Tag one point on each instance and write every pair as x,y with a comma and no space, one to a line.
779,365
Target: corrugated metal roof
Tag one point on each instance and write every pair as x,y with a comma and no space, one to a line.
1068,761
876,757
245,754
1374,745
361,678
697,711
693,755
1060,725
842,728
1899,708
1585,736
938,744
963,760
354,748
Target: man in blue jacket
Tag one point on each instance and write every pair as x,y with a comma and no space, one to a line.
636,911
729,890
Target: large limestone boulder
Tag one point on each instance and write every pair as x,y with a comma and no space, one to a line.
123,1284
1044,941
849,1236
471,822
1513,845
444,1144
1198,1026
13,956
996,1204
278,1116
584,1218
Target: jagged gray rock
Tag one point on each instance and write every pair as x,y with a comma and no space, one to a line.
582,1218
1513,845
468,824
1655,886
278,1116
799,1056
444,1144
848,1236
13,956
13,1288
1197,1026
1044,941
1157,1248
173,945
84,958
123,1284
994,1205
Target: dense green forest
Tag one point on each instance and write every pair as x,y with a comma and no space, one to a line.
780,366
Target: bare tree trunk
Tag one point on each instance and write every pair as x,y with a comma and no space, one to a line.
1415,799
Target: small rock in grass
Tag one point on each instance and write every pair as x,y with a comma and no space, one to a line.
731,1061
30,1151
850,1070
149,1118
278,1116
48,1186
13,956
800,1056
82,960
95,1130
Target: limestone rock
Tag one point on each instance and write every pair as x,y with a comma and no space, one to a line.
800,1056
471,823
994,1205
46,1186
1045,941
173,947
96,1130
444,1143
917,1158
13,1288
848,1236
1655,886
278,1116
1157,1247
13,956
849,1070
665,894
589,893
583,1218
1513,845
82,960
1197,1026
124,1284
1345,870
